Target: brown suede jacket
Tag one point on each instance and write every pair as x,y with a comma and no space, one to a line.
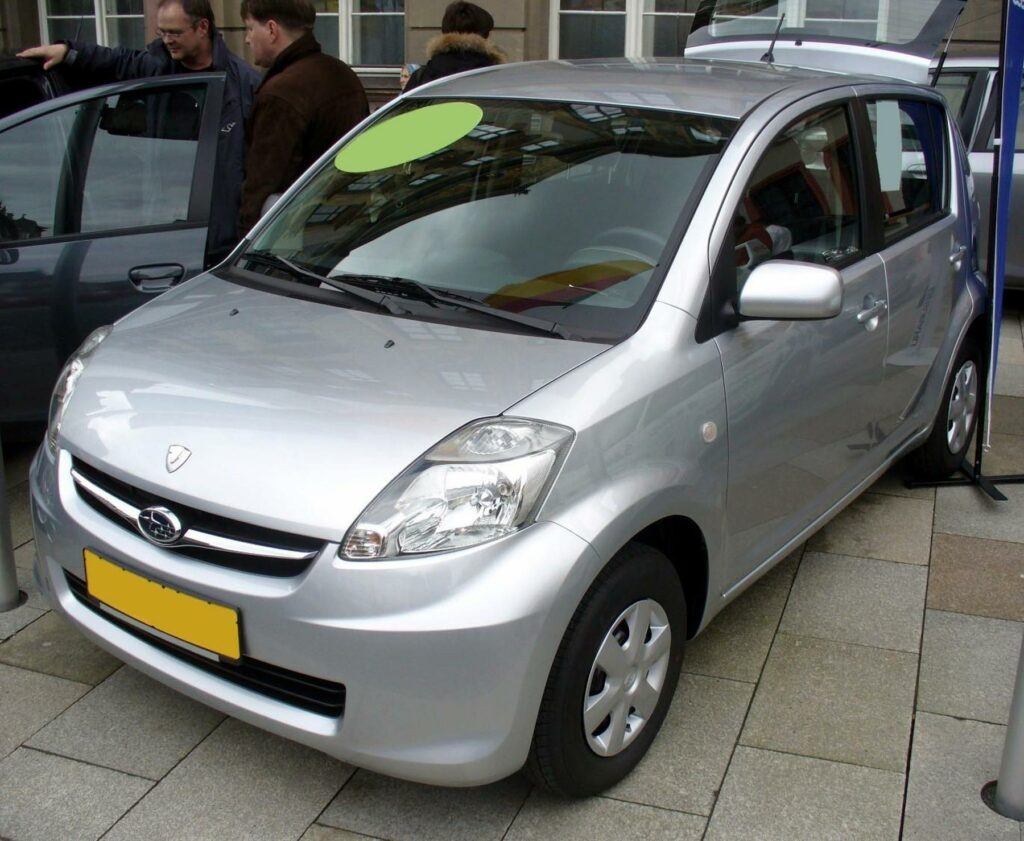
307,100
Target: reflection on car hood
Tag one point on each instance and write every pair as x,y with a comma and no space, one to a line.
297,414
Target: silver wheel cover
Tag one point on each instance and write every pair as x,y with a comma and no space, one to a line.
627,677
963,402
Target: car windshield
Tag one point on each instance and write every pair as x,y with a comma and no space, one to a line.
555,212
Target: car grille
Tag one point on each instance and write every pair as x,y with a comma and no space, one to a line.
322,697
205,537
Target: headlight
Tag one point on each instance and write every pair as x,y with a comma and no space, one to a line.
483,482
66,383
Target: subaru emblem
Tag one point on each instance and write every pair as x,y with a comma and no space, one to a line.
177,455
160,525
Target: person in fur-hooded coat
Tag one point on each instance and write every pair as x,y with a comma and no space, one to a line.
462,45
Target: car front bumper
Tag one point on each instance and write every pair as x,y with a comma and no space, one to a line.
443,658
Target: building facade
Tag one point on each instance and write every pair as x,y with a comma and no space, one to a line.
378,36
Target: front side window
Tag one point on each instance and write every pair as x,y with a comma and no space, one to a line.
142,157
559,211
802,203
110,163
33,168
910,148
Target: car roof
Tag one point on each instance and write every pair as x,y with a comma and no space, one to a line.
703,86
26,66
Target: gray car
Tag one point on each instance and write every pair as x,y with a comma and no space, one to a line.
508,397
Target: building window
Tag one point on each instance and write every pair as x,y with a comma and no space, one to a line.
364,33
607,28
115,23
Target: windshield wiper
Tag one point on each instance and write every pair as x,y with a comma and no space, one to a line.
269,258
421,291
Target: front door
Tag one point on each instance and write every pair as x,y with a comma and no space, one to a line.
104,202
799,394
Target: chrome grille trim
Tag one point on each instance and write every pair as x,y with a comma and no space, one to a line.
192,537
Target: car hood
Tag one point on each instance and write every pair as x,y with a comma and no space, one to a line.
297,413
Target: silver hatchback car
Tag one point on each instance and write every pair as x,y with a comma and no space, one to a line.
508,397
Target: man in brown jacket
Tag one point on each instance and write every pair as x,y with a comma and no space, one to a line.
307,100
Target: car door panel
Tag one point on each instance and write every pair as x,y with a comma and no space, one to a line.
116,191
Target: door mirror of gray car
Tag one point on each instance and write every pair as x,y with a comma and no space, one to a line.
786,290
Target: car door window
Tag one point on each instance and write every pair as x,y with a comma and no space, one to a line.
955,87
910,148
142,159
34,175
802,203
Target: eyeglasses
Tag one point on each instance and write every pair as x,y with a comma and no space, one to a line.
165,34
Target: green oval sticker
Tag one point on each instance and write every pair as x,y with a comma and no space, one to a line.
409,136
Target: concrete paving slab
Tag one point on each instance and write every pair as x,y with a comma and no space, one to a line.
684,768
52,646
979,577
833,700
21,517
319,832
1009,379
736,643
877,526
968,664
12,621
858,600
950,762
1006,456
1008,415
130,723
544,818
771,796
45,797
372,804
28,700
971,512
241,783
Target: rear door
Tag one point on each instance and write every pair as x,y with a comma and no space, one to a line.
104,202
923,242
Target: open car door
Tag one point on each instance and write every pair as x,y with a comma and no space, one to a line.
894,38
104,202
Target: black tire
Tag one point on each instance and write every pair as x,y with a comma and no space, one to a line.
561,759
936,458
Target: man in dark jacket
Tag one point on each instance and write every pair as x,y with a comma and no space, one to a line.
306,102
188,43
462,45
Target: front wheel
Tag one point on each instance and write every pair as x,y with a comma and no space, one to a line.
613,678
946,447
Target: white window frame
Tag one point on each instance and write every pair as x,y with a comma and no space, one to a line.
634,13
99,18
346,15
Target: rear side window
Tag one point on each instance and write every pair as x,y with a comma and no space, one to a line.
802,202
910,148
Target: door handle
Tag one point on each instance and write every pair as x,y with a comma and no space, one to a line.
873,308
153,279
957,256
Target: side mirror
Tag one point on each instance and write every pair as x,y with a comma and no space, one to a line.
785,290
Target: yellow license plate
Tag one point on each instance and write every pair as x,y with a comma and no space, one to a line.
210,626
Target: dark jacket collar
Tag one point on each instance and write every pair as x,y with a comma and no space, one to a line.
304,46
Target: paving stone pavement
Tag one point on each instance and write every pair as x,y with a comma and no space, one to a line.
858,691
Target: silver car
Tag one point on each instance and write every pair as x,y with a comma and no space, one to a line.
508,397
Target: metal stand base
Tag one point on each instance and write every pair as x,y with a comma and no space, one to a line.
975,478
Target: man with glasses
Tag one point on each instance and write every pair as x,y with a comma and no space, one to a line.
188,42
